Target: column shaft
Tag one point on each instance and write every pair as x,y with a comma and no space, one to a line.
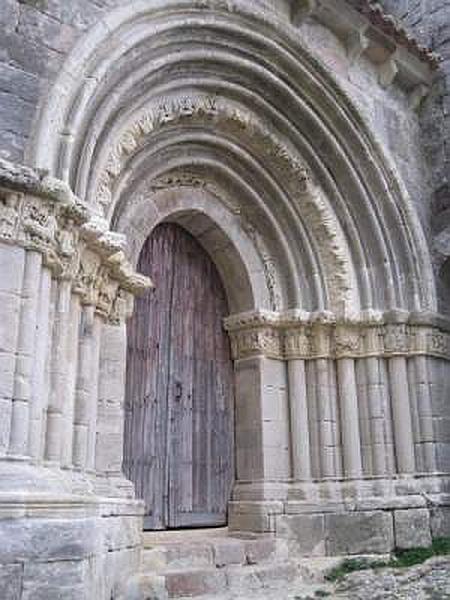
351,440
425,413
110,421
12,260
301,452
59,371
377,416
40,389
86,390
82,388
403,436
20,416
325,417
72,358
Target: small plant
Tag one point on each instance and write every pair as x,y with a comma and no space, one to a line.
350,565
400,559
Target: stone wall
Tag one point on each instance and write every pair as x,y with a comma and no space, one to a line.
429,21
69,523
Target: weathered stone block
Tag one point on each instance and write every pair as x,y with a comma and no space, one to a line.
255,578
440,522
11,582
195,583
66,579
229,552
250,522
412,528
48,539
260,550
195,555
305,533
359,533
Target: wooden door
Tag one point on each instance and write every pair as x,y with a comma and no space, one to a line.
179,419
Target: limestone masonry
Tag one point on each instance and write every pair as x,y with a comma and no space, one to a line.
305,145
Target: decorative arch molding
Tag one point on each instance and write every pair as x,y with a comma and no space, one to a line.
323,157
221,117
243,262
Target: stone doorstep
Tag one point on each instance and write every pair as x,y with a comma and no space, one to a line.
235,579
213,552
192,566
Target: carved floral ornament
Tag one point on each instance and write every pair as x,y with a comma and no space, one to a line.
307,197
319,335
75,248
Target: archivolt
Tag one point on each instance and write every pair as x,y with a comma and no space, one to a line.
161,89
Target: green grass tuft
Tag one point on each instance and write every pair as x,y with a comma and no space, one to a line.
400,559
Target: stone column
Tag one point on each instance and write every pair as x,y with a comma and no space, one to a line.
347,346
327,423
111,396
72,358
42,349
396,343
93,392
20,417
298,403
84,388
58,373
401,410
325,416
377,416
351,441
426,440
248,435
12,261
296,348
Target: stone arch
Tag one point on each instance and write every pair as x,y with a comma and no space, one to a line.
198,211
120,106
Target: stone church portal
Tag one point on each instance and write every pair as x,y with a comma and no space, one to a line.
224,250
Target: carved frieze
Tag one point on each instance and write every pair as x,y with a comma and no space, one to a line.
76,248
278,335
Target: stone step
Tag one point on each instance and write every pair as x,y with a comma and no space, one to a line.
211,552
232,580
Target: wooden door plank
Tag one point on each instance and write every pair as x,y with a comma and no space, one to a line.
179,401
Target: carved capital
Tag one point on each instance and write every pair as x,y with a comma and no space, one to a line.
300,335
347,341
297,343
396,338
122,308
264,341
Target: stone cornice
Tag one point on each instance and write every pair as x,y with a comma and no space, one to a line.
307,336
365,28
42,214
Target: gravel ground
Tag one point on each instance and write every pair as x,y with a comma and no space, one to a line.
429,581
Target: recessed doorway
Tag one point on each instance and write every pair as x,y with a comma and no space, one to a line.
179,409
